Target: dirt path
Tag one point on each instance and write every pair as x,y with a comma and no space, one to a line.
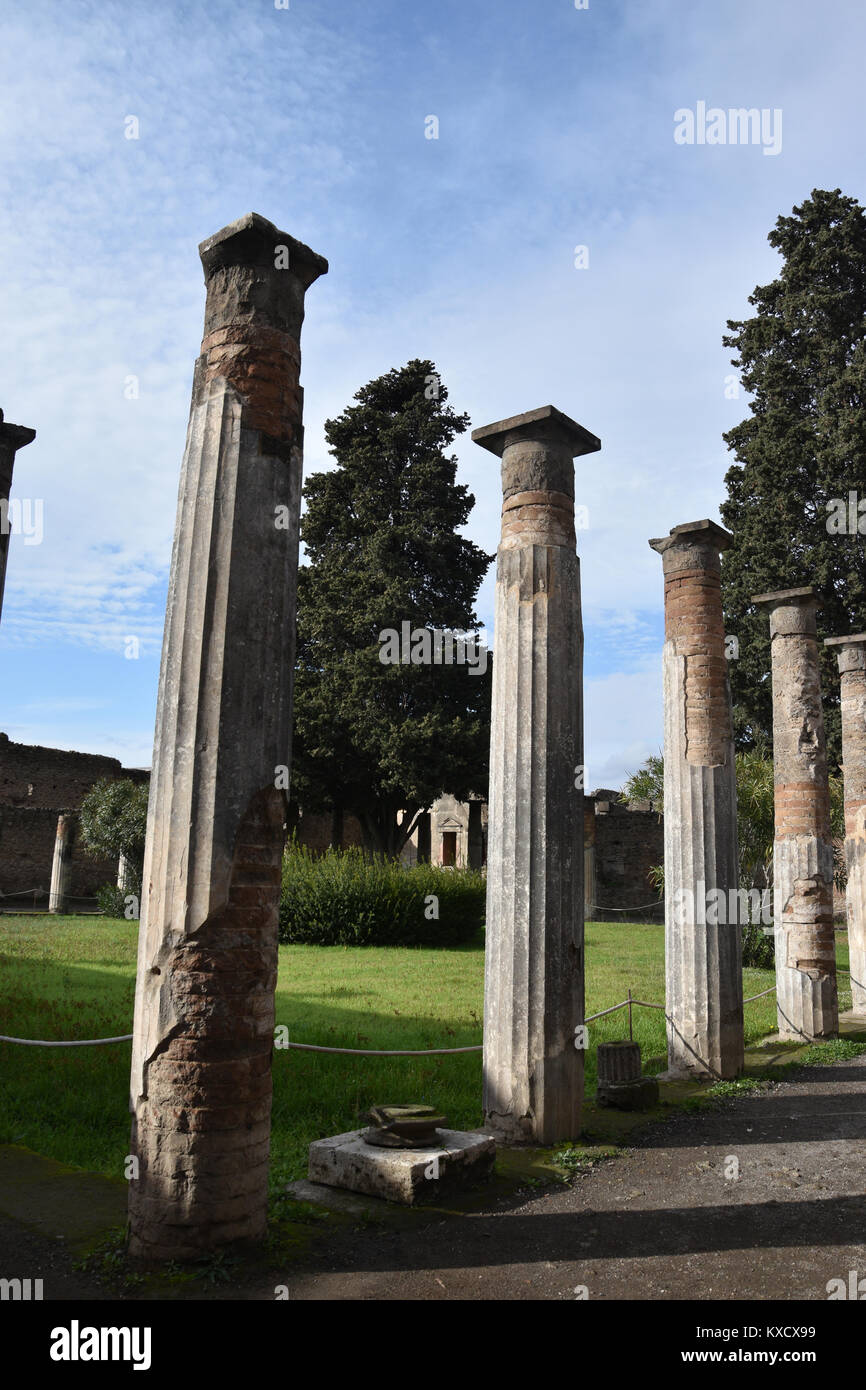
668,1220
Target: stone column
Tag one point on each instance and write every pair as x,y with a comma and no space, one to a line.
852,669
424,838
534,966
806,997
63,844
123,873
12,438
475,837
207,960
703,933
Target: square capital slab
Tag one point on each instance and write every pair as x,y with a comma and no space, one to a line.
545,423
696,533
252,240
16,435
856,639
787,596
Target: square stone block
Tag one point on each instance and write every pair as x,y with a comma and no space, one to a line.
409,1176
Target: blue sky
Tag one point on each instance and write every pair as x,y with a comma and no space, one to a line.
555,131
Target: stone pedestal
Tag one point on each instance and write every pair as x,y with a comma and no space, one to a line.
12,438
703,934
851,655
207,962
409,1176
63,845
534,966
806,995
620,1083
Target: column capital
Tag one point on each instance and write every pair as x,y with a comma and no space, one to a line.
691,533
253,241
15,435
791,611
851,651
545,424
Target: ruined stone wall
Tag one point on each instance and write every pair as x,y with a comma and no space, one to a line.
628,842
27,836
37,783
314,831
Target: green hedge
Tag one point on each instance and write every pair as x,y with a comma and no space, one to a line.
343,899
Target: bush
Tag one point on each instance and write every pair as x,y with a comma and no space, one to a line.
340,898
110,900
759,947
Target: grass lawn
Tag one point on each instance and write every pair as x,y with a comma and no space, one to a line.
74,977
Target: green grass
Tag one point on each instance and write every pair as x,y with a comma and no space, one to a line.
73,977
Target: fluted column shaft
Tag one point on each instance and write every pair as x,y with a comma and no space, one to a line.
852,670
534,965
63,842
703,931
806,997
204,1011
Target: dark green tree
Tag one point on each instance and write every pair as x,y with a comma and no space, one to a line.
113,822
381,532
801,452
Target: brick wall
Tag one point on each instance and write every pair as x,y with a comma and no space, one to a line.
36,784
629,841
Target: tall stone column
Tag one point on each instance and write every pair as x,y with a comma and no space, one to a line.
852,670
806,998
63,842
207,959
475,837
534,965
12,438
703,933
424,838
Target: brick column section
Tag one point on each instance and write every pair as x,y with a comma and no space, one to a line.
58,895
204,1011
852,670
703,933
12,438
534,965
806,996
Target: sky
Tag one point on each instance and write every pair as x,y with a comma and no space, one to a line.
556,131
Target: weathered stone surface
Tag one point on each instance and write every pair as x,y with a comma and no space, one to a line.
852,669
640,1094
204,1014
703,970
409,1176
618,1061
12,438
63,846
807,1002
534,966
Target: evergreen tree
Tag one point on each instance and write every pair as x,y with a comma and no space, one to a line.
382,543
801,452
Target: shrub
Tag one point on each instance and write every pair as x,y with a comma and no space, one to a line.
110,900
759,947
341,898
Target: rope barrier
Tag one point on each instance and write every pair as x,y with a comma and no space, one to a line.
79,1042
383,1052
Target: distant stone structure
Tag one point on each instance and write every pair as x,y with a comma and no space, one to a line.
36,785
